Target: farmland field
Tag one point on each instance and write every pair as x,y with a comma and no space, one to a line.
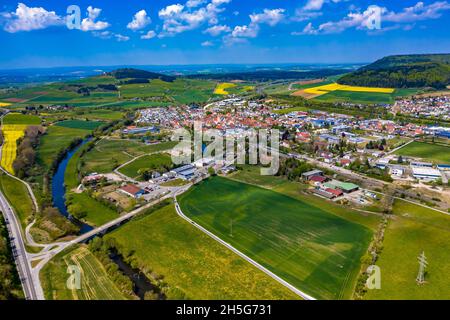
109,154
79,124
56,139
17,195
18,118
180,91
222,88
329,91
13,128
313,250
436,153
414,230
193,265
157,162
95,283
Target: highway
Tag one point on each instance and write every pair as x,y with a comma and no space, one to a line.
19,251
242,255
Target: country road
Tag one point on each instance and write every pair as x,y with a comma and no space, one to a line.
242,255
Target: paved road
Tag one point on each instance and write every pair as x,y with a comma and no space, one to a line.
31,289
253,262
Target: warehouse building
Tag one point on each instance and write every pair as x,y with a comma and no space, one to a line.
424,173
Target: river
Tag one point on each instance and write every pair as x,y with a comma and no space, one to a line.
59,190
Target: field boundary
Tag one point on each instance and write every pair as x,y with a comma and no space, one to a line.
242,255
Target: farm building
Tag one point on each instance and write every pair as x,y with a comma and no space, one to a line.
324,194
308,175
421,164
335,192
185,172
346,187
423,173
397,171
132,191
316,180
444,167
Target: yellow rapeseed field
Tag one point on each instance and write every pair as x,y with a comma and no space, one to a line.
221,88
11,133
335,86
4,104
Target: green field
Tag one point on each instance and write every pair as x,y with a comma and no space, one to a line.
193,265
91,114
95,283
313,250
96,213
79,124
158,162
109,154
180,91
296,190
17,195
57,138
18,118
414,230
62,93
436,153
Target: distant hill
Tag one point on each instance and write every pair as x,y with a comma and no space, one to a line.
130,75
403,71
269,75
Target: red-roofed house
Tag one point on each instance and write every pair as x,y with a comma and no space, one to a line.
132,191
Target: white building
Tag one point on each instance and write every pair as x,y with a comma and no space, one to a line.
424,173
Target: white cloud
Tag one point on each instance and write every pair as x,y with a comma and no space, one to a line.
178,18
89,23
359,20
30,18
318,4
250,31
217,30
314,5
207,44
270,17
194,3
418,12
105,35
140,21
121,38
149,35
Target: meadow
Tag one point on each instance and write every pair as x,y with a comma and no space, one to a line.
96,213
180,91
313,250
95,283
17,195
414,230
79,124
193,265
109,154
437,153
158,162
57,138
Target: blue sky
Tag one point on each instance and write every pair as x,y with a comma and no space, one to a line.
35,33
